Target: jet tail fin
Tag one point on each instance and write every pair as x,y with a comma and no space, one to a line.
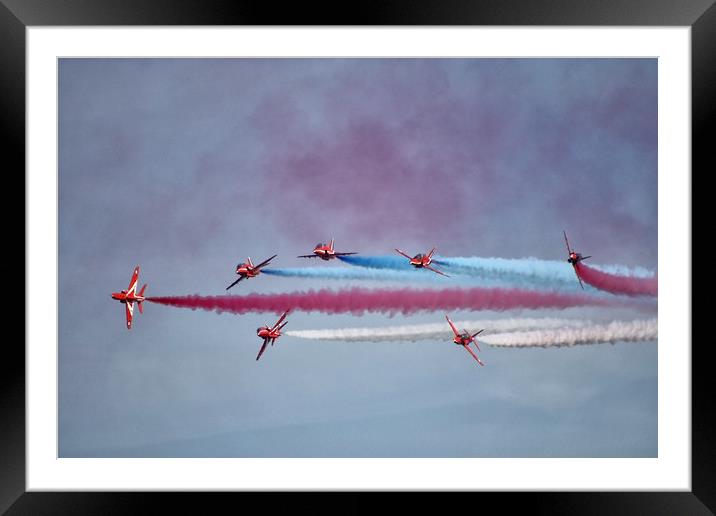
140,304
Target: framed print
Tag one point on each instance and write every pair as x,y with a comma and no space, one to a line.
435,163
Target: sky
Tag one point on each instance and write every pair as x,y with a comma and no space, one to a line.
188,166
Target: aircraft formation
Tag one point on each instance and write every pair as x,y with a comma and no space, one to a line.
269,334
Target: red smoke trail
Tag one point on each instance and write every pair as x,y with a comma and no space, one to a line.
629,285
359,300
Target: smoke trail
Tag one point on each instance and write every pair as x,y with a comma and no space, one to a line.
617,284
411,275
527,269
616,331
379,262
358,301
516,272
501,332
436,331
353,273
501,272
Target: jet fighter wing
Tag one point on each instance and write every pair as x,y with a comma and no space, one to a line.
264,262
129,312
580,279
452,326
133,282
283,316
467,347
342,254
263,348
435,270
401,252
308,256
235,282
472,338
569,251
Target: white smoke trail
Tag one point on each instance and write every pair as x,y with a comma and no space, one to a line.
436,331
616,331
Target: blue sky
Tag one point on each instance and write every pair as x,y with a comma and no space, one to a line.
188,166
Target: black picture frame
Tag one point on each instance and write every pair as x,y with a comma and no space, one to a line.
17,15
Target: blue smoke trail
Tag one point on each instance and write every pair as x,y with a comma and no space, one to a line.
352,273
554,270
516,271
523,273
531,273
379,262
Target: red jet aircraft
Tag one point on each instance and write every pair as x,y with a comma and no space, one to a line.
324,252
270,333
422,261
464,339
249,270
574,258
129,297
